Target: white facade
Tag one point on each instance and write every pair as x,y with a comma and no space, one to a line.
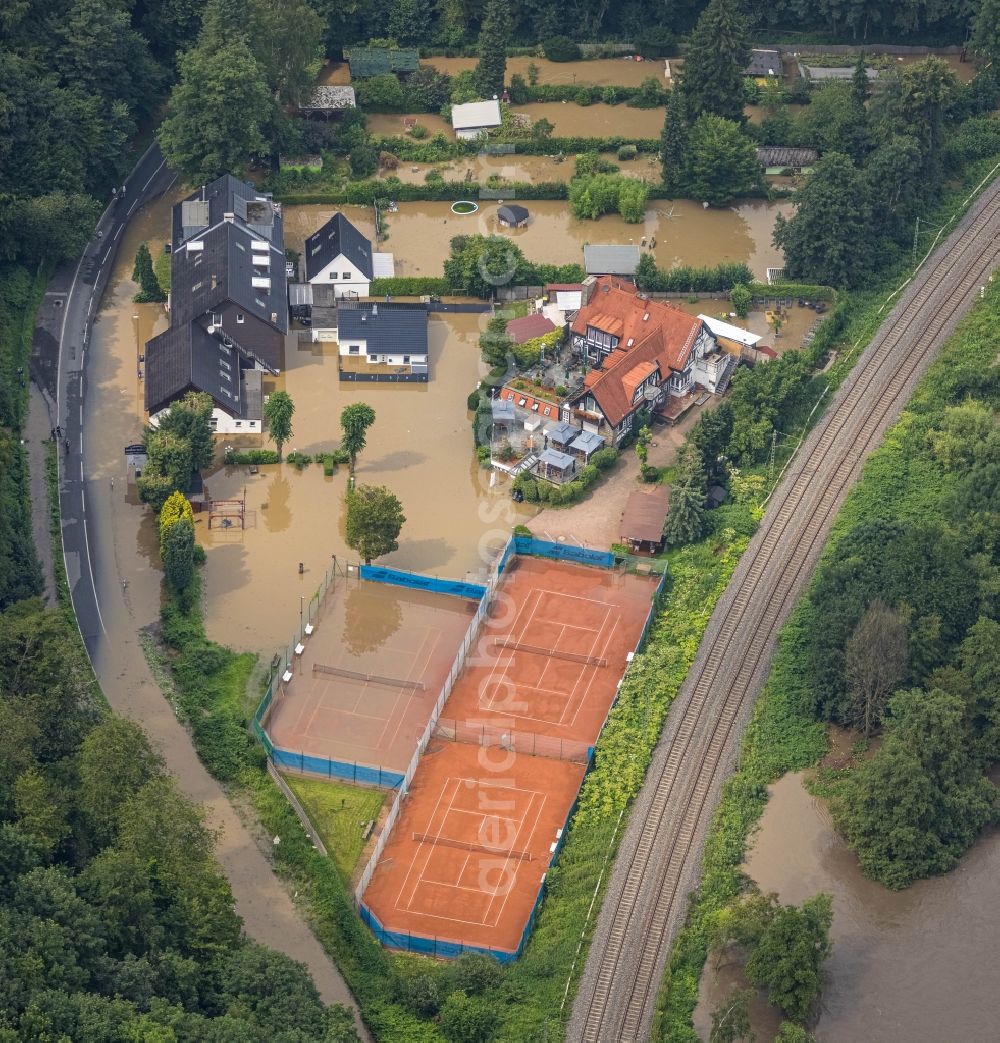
359,349
475,118
221,422
347,279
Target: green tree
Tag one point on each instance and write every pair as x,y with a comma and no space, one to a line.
286,39
494,344
789,1033
717,54
875,665
190,418
374,520
985,39
142,273
494,39
731,1018
176,508
741,298
919,803
218,112
721,161
39,810
929,88
790,954
979,657
278,411
686,518
466,1019
828,241
480,263
178,555
355,420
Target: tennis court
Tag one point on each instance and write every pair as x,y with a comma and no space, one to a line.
363,688
549,658
466,860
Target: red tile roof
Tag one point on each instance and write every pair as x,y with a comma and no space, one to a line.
527,328
651,335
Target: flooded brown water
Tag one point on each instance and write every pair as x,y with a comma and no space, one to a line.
685,233
918,965
389,124
420,447
795,325
123,545
334,73
600,71
480,168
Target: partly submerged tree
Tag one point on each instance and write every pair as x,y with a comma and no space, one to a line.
673,142
731,1018
278,412
494,38
355,420
875,665
721,161
142,273
374,520
717,54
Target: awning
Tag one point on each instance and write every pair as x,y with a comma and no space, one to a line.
553,458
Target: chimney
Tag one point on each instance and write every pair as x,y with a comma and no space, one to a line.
374,311
204,197
230,217
274,317
589,285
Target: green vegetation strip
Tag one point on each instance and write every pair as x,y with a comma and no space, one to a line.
899,481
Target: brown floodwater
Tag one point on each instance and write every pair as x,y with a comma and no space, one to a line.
334,73
599,71
758,113
420,447
915,965
685,233
480,168
386,124
796,323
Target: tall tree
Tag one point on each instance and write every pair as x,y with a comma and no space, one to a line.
929,88
673,142
278,412
190,418
286,38
355,420
828,240
686,518
494,38
985,39
142,273
717,54
913,809
731,1018
875,664
374,520
721,161
218,112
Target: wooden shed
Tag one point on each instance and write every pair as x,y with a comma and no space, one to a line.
643,518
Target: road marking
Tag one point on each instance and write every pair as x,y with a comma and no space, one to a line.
81,424
55,293
106,256
151,176
132,207
119,232
86,541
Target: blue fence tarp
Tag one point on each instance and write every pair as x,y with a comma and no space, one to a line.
563,552
331,769
431,946
381,574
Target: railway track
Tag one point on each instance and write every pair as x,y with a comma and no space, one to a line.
659,858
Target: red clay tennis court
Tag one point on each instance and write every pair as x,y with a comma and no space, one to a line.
467,857
549,657
364,687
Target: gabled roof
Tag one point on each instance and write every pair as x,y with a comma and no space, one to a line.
645,513
398,329
330,98
786,157
338,236
653,337
528,327
764,63
208,206
610,259
475,114
187,357
226,267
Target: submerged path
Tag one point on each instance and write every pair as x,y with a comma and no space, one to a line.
659,860
101,600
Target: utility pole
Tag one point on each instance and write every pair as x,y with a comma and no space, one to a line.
916,233
770,462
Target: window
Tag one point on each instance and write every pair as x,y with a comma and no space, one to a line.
197,286
354,349
347,276
547,410
240,317
239,423
406,360
213,423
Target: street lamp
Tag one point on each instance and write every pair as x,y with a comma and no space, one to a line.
138,368
302,601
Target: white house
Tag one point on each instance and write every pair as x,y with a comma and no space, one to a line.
384,335
475,118
339,255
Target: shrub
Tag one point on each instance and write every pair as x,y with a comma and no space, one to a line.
363,160
582,96
604,458
419,131
590,163
299,460
381,94
561,49
650,95
472,402
741,298
655,42
610,96
649,473
627,152
236,457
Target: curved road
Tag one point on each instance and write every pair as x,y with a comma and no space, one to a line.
658,863
101,600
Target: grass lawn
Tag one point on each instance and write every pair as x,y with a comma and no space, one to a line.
338,812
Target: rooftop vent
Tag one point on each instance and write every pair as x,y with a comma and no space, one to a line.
645,317
274,317
374,311
230,217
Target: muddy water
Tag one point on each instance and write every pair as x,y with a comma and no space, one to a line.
420,447
685,233
600,71
758,113
796,324
123,546
334,73
910,966
595,121
388,124
480,168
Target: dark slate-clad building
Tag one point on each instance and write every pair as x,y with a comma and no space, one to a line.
339,255
382,341
228,303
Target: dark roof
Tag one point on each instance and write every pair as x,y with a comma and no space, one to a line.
208,206
373,61
764,63
528,327
645,513
224,269
512,213
397,329
786,157
185,358
717,496
338,236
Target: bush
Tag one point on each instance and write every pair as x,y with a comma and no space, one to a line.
649,473
381,94
236,457
627,152
650,95
582,96
561,49
363,160
418,131
472,402
299,460
655,42
690,280
605,458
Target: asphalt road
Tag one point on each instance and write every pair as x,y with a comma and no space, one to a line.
104,614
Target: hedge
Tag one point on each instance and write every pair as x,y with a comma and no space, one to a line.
364,192
409,286
235,457
592,94
692,280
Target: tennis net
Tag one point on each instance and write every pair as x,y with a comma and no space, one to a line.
467,845
357,675
554,653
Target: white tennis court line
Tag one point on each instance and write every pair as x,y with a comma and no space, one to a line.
513,879
403,695
426,849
